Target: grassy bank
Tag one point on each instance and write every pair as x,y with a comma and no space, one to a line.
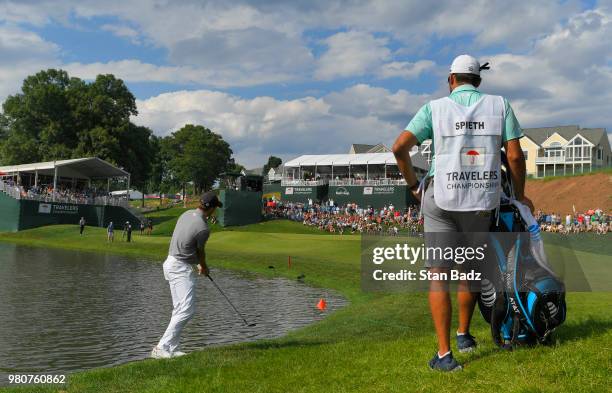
379,343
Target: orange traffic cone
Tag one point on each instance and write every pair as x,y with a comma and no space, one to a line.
322,305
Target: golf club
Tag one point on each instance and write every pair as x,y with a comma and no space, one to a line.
230,303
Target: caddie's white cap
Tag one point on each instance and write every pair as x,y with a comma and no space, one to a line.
466,64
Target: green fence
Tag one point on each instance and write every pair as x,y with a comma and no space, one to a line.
303,193
375,196
17,215
9,213
272,189
239,207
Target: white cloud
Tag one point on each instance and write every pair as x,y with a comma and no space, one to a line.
566,78
123,32
262,126
351,53
404,69
136,71
248,41
22,53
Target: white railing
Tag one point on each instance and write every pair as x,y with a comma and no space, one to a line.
303,182
562,160
345,182
15,192
12,191
364,182
550,160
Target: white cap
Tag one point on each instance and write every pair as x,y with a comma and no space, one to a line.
466,64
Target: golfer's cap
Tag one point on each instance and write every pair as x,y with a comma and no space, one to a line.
210,199
466,64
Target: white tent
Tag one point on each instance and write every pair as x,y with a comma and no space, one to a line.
353,159
87,168
134,194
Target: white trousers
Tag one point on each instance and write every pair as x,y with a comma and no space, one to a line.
181,277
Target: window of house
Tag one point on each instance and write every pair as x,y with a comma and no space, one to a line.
554,150
526,154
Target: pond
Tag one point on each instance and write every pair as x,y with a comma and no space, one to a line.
66,311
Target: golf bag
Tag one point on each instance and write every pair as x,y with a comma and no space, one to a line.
521,297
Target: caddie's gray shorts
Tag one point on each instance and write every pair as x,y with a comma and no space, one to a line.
445,228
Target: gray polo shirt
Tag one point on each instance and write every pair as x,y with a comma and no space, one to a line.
190,234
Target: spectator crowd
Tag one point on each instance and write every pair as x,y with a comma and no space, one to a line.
349,218
593,221
352,218
65,194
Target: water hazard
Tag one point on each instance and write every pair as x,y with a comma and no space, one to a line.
66,311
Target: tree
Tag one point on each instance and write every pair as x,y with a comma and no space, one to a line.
57,117
196,154
234,167
273,162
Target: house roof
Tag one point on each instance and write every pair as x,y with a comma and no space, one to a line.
539,135
254,171
278,169
357,148
361,148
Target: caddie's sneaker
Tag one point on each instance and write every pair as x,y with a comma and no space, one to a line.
446,363
160,353
177,354
466,343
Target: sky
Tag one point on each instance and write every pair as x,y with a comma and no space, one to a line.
287,78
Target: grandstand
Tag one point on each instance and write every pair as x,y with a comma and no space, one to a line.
365,178
61,192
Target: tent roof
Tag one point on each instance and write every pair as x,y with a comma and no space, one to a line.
345,159
80,168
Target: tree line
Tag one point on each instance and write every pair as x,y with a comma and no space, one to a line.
57,117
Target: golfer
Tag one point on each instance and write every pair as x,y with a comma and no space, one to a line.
81,225
467,129
110,232
186,249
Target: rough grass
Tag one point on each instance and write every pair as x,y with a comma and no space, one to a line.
379,343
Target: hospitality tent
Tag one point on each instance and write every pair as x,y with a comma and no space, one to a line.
88,168
347,160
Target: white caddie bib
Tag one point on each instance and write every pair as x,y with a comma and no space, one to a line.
467,143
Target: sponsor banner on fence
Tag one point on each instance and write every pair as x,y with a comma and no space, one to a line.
65,209
298,190
342,191
44,208
378,190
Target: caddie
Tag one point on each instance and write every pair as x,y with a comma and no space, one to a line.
186,250
468,130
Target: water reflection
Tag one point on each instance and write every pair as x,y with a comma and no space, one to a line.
65,311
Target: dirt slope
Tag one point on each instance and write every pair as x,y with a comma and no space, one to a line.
558,195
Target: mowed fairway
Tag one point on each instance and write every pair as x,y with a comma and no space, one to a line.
379,343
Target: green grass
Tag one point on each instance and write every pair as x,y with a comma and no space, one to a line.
607,171
378,343
165,220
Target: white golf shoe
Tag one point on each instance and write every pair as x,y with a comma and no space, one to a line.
160,353
177,354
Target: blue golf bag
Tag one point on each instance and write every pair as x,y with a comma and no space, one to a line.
521,297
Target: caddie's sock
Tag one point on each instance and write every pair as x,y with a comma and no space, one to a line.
461,334
441,356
